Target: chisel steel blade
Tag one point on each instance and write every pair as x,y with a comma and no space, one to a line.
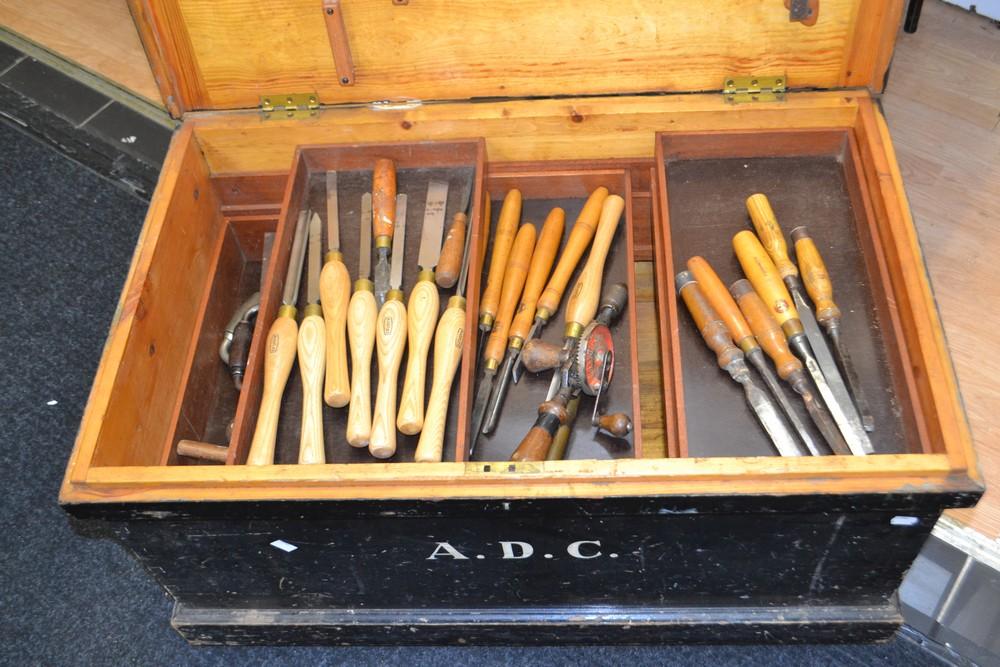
838,401
332,212
399,242
769,418
365,250
430,234
315,259
296,258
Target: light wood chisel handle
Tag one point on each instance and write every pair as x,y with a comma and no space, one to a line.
513,283
764,277
769,231
510,215
586,293
335,294
450,262
766,329
312,359
390,341
421,315
538,272
383,201
202,450
712,329
720,299
361,315
815,277
278,359
447,353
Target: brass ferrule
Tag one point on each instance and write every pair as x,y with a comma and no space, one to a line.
457,302
486,321
333,256
573,330
792,327
543,314
426,274
394,295
286,311
364,285
312,309
515,343
383,242
748,344
491,364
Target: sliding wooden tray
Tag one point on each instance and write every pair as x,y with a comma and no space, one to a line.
697,532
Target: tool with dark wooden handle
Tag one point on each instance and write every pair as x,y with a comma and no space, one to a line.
510,216
335,294
383,219
449,264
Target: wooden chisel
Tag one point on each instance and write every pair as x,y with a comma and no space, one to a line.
335,293
422,311
453,249
361,315
390,342
279,354
383,216
510,215
311,345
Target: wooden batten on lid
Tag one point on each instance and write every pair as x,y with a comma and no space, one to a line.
212,55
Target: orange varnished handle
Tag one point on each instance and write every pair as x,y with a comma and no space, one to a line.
513,282
580,236
538,272
763,275
510,215
722,301
815,276
383,201
450,262
710,326
765,328
770,234
583,300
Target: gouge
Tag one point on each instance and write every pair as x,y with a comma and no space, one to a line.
770,336
820,289
514,275
311,345
453,250
764,277
361,315
579,238
384,213
279,354
724,305
730,359
390,342
538,273
510,215
448,342
422,311
335,293
773,240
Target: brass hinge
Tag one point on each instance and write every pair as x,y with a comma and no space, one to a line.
289,105
745,89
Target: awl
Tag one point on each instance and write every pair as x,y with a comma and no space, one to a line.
335,293
383,217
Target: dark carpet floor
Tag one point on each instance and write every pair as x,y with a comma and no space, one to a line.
66,238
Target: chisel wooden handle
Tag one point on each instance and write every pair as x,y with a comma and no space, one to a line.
513,283
764,277
450,262
815,276
361,315
541,263
710,326
334,294
311,345
390,341
383,201
202,450
510,215
579,238
535,445
586,294
421,315
722,301
278,359
447,353
766,329
770,234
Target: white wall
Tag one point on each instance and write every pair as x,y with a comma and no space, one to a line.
989,8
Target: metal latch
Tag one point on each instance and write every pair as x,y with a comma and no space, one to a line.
745,89
294,105
805,12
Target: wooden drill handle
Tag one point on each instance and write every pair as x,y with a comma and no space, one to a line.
770,234
383,201
539,355
513,283
450,263
335,294
312,359
535,446
202,450
586,294
815,276
278,359
390,341
538,272
447,353
762,273
711,327
510,215
722,301
579,238
421,315
765,328
361,315
617,424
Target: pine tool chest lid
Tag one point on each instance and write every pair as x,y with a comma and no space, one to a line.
211,55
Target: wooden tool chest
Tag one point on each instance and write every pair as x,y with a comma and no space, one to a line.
694,530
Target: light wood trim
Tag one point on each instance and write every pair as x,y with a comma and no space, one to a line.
869,51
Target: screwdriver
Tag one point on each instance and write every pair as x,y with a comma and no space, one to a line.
510,215
279,354
383,210
724,305
514,275
311,346
448,343
764,277
335,293
390,342
820,288
362,312
579,238
538,273
772,339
